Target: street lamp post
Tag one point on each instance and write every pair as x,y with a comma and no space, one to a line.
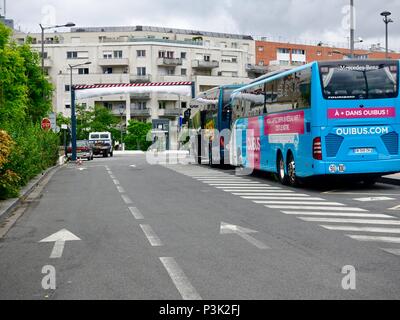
121,112
73,115
352,27
69,24
386,20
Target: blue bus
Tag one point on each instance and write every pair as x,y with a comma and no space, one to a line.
211,115
324,118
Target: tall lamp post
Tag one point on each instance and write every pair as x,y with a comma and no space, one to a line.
386,20
121,113
73,115
69,24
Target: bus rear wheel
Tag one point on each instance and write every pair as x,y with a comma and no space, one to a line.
291,171
282,176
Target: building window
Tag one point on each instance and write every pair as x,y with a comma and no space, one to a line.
283,50
234,60
162,104
298,51
170,54
107,55
183,104
108,70
108,105
118,54
67,87
234,45
260,49
161,54
183,55
183,72
67,106
141,105
84,106
207,58
72,55
141,53
141,71
83,71
170,72
319,53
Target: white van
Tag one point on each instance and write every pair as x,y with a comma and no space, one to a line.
102,143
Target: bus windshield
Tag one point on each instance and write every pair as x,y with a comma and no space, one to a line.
359,81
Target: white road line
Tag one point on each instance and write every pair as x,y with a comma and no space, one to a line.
112,176
375,238
116,182
392,251
126,199
237,184
151,235
178,277
357,221
226,181
272,193
294,197
362,229
221,178
317,208
136,213
258,187
358,193
337,214
120,189
262,192
370,199
299,202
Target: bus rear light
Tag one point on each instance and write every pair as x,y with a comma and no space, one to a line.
317,149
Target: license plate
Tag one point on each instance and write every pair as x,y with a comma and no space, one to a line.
363,150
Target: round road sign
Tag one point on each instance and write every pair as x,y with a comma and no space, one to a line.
46,124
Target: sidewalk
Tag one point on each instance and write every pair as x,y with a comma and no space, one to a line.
6,206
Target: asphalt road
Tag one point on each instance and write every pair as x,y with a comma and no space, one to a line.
192,232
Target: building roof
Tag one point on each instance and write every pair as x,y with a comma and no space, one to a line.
162,30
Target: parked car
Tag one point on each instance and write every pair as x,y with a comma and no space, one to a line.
84,150
102,143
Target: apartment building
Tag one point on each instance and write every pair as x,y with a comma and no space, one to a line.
144,54
269,54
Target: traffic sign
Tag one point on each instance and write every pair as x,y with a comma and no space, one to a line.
46,124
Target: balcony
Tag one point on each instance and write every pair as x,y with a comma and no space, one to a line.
140,112
172,112
134,78
140,96
254,68
169,62
201,64
113,62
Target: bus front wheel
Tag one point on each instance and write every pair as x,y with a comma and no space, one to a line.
282,176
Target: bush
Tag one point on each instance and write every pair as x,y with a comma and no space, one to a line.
8,179
136,136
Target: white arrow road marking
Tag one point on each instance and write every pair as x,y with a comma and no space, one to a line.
81,169
59,238
132,166
182,283
395,208
227,228
370,199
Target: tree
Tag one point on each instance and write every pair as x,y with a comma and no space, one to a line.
136,136
39,89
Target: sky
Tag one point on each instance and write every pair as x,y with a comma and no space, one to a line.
303,21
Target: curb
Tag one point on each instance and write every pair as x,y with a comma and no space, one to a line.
10,204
